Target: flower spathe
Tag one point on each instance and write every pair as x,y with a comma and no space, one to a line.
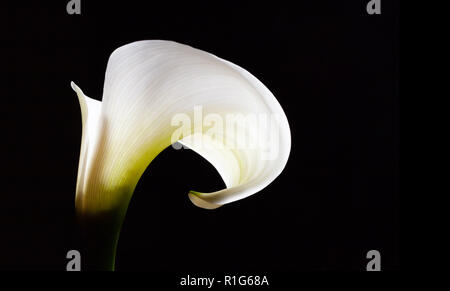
146,84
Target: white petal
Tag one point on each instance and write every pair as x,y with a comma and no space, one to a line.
90,117
146,84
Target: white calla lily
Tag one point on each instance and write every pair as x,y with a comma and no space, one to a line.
151,87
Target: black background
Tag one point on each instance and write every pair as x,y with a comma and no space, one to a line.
334,70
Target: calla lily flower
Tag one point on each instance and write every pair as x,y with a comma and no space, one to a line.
153,94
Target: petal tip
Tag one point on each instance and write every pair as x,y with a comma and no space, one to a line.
76,88
199,202
73,85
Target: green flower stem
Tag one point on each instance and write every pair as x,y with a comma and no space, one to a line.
100,235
